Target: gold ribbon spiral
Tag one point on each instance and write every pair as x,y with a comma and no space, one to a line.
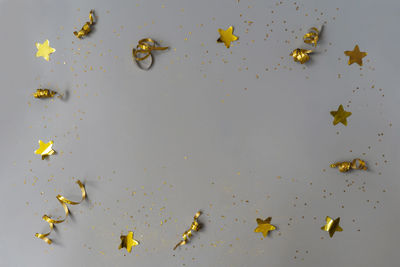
44,93
188,233
63,201
143,50
312,37
346,166
86,28
301,55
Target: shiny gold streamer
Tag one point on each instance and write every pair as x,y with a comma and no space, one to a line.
301,55
188,233
63,201
86,28
44,93
143,50
312,36
346,166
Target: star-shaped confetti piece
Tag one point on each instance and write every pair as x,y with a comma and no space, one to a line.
44,50
355,56
264,226
332,226
340,116
45,149
226,36
128,242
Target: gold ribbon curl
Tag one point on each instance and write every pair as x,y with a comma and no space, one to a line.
63,201
188,233
312,37
301,55
44,93
346,166
86,28
143,50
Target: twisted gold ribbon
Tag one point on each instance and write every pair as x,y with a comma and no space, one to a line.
312,36
346,166
188,234
86,28
143,50
63,201
44,93
301,55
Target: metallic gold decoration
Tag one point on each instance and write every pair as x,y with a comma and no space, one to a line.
312,37
44,93
45,149
346,166
226,36
86,28
44,50
340,116
127,242
301,55
332,226
264,226
188,234
355,56
63,201
143,50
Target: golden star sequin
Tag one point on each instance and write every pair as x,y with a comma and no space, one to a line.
226,36
45,149
340,116
355,56
264,226
44,50
128,242
332,226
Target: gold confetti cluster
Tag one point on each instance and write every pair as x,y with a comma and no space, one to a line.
143,51
188,233
44,93
346,166
86,28
302,55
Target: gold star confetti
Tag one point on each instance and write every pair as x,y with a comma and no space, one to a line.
45,149
340,116
346,166
355,56
332,226
127,242
226,36
44,50
264,226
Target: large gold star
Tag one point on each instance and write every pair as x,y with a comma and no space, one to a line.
264,226
332,226
355,56
44,50
340,116
127,242
45,149
226,36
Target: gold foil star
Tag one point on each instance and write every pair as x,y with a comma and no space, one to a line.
226,36
264,226
45,149
355,56
127,242
332,226
340,116
44,50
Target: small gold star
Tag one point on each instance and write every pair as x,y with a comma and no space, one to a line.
127,242
226,36
340,116
332,226
44,50
45,149
355,56
264,226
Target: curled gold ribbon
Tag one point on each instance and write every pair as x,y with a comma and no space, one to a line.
312,37
86,28
44,93
143,50
346,166
188,233
63,201
301,55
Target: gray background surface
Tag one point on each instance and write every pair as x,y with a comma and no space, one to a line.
239,133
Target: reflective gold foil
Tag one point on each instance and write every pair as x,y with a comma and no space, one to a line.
143,51
45,149
44,93
264,226
301,55
312,37
63,201
347,166
226,36
332,226
128,242
86,28
188,233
